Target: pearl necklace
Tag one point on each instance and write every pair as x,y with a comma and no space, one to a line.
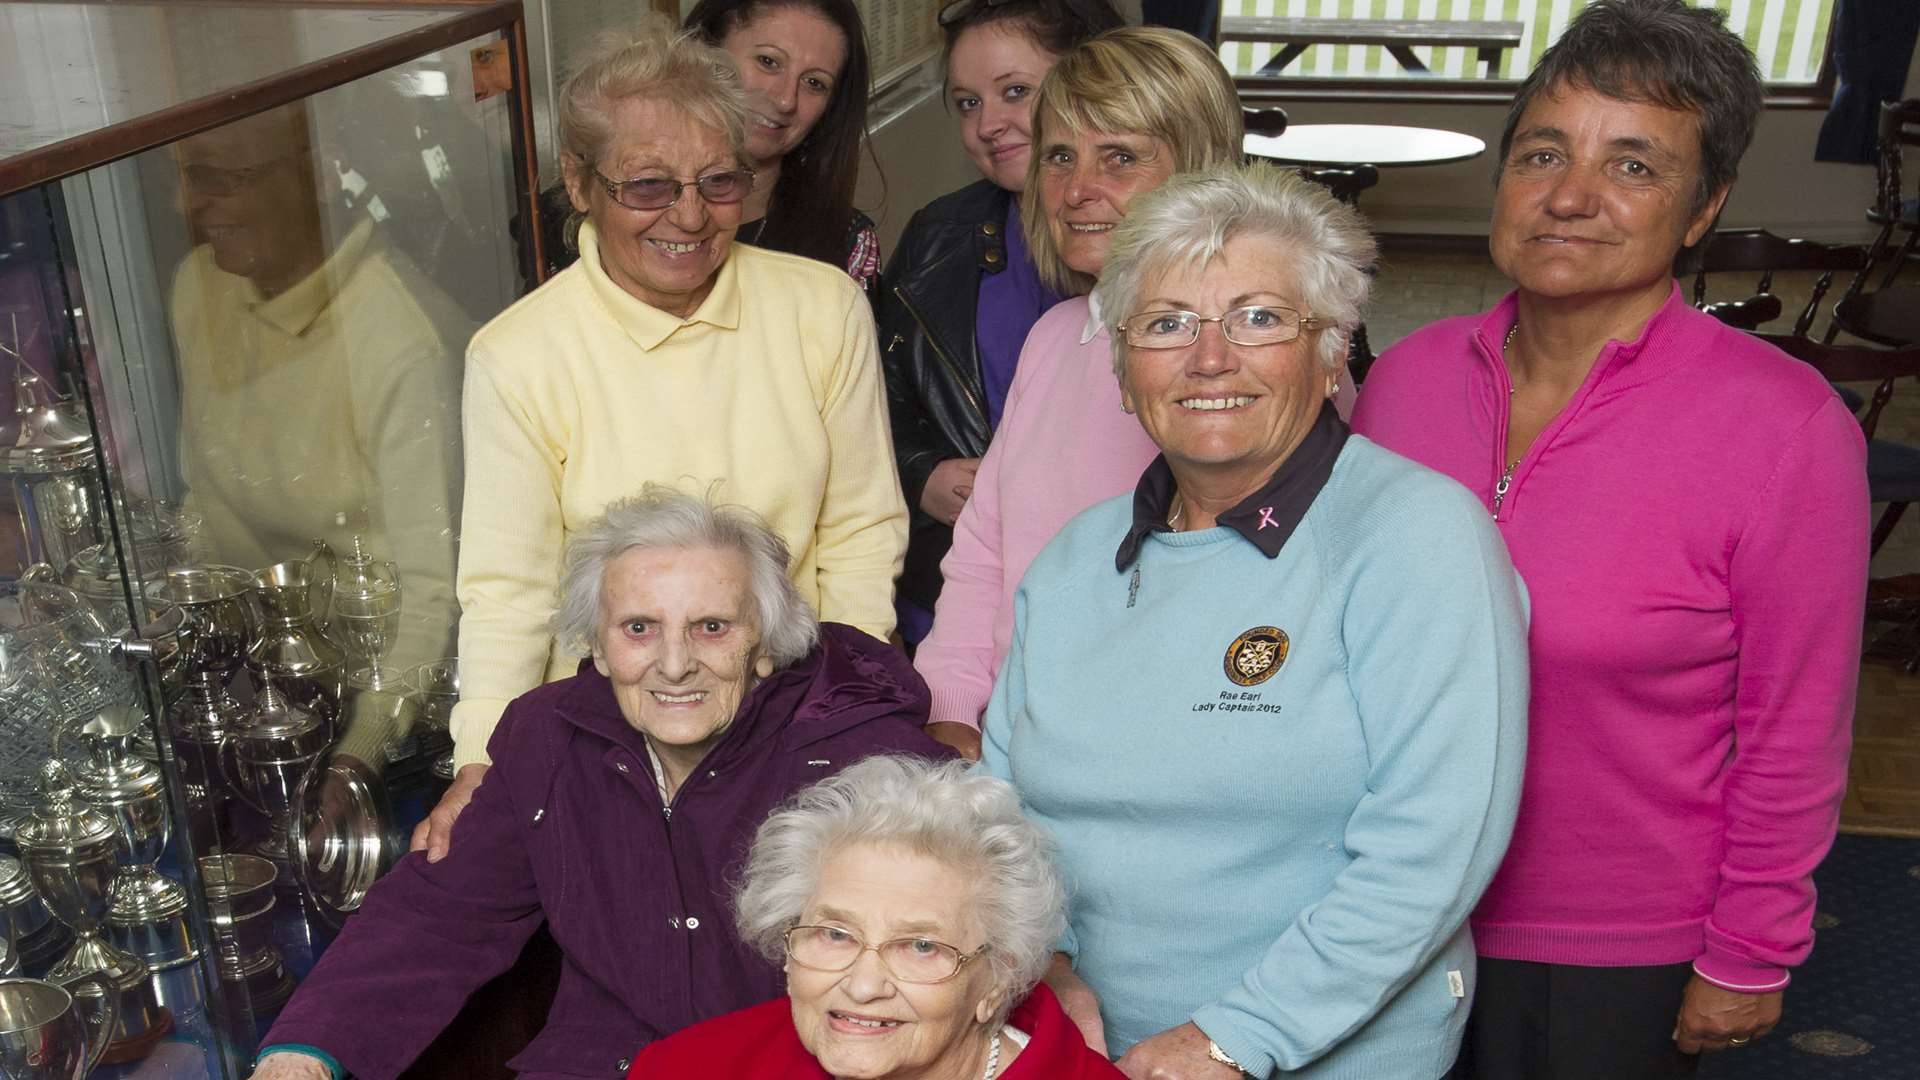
993,1058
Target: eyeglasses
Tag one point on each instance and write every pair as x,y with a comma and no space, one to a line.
1259,324
660,192
909,959
221,180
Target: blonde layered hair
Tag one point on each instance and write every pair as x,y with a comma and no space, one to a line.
650,61
1137,80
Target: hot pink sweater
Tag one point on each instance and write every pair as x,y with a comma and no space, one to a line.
1063,444
1692,530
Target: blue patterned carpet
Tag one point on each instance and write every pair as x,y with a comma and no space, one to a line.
1853,1011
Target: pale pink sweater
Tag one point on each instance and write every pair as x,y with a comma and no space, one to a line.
1063,444
1692,530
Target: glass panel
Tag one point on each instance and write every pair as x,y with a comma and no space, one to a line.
104,63
240,358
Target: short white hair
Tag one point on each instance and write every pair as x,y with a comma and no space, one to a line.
1190,219
948,811
661,517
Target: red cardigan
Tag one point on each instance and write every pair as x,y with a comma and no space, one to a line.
759,1043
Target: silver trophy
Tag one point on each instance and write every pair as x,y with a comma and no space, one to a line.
147,911
39,938
240,900
72,853
51,465
265,761
436,688
292,650
366,617
48,1032
219,615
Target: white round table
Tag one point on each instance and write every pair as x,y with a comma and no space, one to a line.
1381,145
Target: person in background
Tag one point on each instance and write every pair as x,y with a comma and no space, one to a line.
667,353
620,807
961,290
804,65
1113,120
1688,507
1272,704
930,868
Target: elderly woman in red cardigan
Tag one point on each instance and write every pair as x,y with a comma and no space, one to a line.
915,910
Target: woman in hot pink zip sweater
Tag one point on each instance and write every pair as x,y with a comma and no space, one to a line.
1688,508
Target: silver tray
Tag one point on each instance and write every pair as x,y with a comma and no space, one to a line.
345,838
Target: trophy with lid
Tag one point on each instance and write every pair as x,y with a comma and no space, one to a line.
147,911
72,853
266,760
214,600
366,617
292,651
51,463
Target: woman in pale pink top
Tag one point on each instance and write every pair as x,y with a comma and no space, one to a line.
1116,117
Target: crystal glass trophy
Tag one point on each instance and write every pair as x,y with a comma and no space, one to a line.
72,853
366,616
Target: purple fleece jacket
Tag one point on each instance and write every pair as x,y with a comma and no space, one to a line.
568,827
1692,530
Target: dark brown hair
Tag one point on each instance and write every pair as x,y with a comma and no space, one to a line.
812,207
1052,25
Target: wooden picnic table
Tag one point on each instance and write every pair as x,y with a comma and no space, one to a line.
1397,36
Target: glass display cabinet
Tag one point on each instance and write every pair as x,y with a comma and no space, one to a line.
242,248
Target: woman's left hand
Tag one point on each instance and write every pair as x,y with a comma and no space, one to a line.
1713,1017
1174,1054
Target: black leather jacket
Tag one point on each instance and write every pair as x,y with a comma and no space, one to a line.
935,389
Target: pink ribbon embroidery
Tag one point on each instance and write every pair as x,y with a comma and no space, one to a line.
1266,518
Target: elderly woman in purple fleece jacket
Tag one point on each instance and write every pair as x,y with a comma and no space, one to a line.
619,805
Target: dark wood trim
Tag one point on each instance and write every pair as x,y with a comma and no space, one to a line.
115,141
533,261
1256,91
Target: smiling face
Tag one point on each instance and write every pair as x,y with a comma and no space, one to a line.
664,258
862,1022
249,193
1228,413
1596,197
790,60
1087,181
991,75
677,639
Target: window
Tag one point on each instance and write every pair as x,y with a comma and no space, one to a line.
1789,37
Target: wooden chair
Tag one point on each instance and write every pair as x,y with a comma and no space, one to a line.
1269,121
1893,476
1894,211
1757,251
1893,468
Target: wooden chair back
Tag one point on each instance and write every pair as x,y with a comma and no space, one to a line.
1854,363
1269,121
1757,251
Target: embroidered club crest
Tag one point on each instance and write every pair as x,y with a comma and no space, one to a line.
1255,655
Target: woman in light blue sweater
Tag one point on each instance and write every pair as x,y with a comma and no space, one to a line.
1273,705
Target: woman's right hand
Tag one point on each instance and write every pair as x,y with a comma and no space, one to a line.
1078,1001
948,487
291,1065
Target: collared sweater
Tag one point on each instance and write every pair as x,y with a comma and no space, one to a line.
1692,529
1063,444
768,395
1281,844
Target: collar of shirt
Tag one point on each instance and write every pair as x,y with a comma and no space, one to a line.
1095,327
646,325
1268,516
293,311
659,772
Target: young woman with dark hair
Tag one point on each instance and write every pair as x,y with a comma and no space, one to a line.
805,68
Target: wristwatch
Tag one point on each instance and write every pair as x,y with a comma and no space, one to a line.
1214,1053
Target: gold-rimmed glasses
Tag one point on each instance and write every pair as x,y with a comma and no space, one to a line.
661,192
916,959
1256,324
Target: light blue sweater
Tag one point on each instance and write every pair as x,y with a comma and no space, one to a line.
1289,863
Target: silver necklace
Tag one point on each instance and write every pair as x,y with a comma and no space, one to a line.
993,1058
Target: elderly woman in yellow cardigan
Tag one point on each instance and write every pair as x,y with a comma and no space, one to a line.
667,353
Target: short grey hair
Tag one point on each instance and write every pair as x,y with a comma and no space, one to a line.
1190,219
650,61
661,517
945,810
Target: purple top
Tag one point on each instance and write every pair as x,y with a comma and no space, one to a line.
1011,301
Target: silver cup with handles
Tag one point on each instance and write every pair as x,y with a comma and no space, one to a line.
47,1032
